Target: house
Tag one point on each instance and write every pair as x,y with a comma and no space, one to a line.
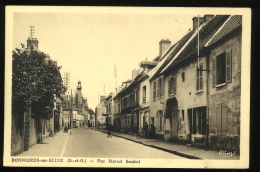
99,111
225,85
144,98
202,100
109,104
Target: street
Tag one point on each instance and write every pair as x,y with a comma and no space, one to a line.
91,143
94,144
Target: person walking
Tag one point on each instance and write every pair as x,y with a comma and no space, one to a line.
109,128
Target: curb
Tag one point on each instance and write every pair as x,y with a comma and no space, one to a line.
159,148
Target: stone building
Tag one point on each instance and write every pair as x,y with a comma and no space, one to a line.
202,86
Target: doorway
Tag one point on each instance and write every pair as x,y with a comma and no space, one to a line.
172,113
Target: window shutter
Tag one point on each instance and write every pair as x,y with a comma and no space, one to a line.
169,86
158,88
162,90
174,84
213,71
201,76
154,90
228,65
197,83
158,121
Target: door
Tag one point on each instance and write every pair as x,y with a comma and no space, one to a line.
174,124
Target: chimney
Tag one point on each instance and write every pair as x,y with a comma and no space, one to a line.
164,44
102,98
207,17
134,73
195,22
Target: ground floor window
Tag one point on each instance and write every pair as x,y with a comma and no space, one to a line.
160,120
197,120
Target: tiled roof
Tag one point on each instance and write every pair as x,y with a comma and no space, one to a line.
156,58
232,23
205,34
177,46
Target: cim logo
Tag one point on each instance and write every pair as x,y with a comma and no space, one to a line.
226,154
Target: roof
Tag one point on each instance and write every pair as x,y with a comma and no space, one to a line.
156,58
137,79
205,34
128,81
149,63
231,24
172,51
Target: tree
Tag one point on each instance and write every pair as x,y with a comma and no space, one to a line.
35,81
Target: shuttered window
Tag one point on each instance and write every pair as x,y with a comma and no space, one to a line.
228,65
162,89
154,90
159,87
159,115
199,84
222,68
172,85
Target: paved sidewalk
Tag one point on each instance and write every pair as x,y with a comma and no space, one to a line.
50,147
175,148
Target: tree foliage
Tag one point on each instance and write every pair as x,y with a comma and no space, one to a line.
36,82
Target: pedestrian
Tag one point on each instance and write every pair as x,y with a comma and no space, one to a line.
109,128
65,128
145,130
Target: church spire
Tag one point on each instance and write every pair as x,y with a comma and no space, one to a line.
79,86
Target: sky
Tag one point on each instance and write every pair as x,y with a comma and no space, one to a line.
89,45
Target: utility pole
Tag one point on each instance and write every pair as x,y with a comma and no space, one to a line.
32,29
71,115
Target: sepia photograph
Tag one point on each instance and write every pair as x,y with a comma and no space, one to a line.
143,87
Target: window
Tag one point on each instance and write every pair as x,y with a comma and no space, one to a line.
144,94
182,112
197,120
160,120
183,76
200,77
221,68
154,90
172,86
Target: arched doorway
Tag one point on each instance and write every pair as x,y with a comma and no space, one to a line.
172,119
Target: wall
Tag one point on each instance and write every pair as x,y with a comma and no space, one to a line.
229,95
16,137
187,97
154,106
